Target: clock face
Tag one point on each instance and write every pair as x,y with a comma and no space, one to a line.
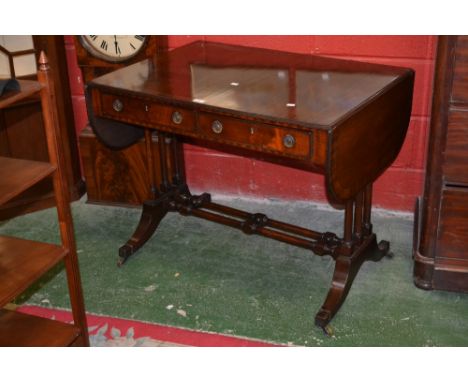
114,48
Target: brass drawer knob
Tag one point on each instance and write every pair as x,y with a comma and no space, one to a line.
289,141
217,127
117,105
177,117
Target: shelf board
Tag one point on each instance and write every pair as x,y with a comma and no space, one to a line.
22,262
27,89
17,175
19,329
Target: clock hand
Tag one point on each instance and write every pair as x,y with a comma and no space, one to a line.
116,45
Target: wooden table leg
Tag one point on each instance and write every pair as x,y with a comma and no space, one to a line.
153,212
172,174
346,269
360,245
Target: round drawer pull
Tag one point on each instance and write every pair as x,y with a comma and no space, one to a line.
289,141
217,127
177,117
117,105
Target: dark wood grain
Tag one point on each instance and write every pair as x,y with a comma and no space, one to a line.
17,175
452,238
22,262
18,329
97,159
255,95
456,151
440,252
460,71
114,177
255,136
62,193
22,134
27,89
437,137
141,111
345,119
364,145
247,90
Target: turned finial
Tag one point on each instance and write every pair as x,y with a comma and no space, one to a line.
43,62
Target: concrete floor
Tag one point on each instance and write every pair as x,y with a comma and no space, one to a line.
199,275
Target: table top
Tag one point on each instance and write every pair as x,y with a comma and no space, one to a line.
306,90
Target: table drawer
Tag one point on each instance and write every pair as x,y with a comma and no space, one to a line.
146,113
455,167
255,136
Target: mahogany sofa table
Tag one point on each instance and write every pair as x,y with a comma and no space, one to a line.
343,119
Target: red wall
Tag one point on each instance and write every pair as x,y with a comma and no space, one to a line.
221,173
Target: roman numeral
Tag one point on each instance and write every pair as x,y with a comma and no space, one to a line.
93,37
104,45
140,38
133,46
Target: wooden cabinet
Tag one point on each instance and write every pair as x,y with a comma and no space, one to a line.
441,222
24,261
114,177
119,177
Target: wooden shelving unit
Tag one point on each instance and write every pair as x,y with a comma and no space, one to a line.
35,331
22,261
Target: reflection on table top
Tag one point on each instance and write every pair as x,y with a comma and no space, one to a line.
302,89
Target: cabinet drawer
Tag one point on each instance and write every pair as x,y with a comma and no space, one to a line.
255,136
460,73
455,165
453,224
146,113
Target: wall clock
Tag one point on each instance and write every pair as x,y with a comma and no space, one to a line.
100,54
113,48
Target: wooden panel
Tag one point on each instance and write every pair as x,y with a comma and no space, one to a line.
17,175
441,253
366,144
146,113
255,136
24,130
22,134
453,224
455,165
460,79
114,177
22,262
27,89
18,329
54,47
437,136
450,274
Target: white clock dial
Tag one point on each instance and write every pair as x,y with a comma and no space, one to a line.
113,48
